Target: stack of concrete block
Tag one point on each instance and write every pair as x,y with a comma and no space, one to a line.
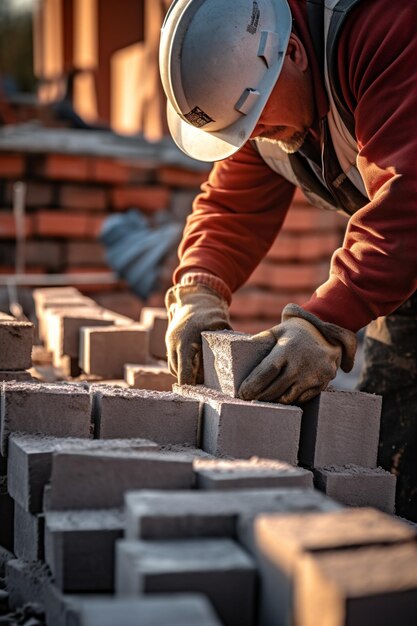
339,442
342,568
16,341
339,433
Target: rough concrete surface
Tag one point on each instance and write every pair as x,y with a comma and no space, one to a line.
358,486
16,339
28,534
164,417
156,377
219,568
229,357
339,428
282,544
233,427
104,351
255,473
79,548
156,319
98,479
176,514
30,461
48,408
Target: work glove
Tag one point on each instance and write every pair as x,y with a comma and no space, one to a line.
192,309
304,357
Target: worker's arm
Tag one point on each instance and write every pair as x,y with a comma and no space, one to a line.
234,222
376,270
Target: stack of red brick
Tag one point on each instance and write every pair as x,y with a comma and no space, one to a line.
69,195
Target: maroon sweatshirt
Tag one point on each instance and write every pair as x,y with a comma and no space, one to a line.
243,204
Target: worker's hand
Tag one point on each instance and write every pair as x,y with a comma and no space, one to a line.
305,355
192,309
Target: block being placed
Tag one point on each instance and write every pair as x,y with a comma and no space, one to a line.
61,410
229,357
156,319
79,548
233,427
30,461
177,515
180,609
219,568
16,340
339,428
166,418
28,534
358,486
156,377
98,479
283,543
104,351
255,473
375,586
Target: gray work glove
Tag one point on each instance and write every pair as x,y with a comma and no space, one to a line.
305,355
192,309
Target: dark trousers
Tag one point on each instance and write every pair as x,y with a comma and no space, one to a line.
390,369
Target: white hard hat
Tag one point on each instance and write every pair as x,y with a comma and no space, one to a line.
219,61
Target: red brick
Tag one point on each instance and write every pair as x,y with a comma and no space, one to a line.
7,225
251,302
179,177
84,253
305,246
302,218
112,171
64,224
12,165
37,194
289,276
66,167
82,197
144,197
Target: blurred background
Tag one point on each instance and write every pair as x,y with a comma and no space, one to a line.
93,191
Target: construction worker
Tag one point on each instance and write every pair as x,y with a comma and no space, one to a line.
323,96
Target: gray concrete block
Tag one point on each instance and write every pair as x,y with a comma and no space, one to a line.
255,473
30,462
358,587
18,376
156,319
178,609
233,427
61,302
340,427
219,568
79,548
176,514
63,326
48,408
104,351
16,340
283,544
156,377
28,535
6,516
26,582
164,417
358,486
99,479
229,357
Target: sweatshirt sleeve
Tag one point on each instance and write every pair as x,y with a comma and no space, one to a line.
376,269
235,219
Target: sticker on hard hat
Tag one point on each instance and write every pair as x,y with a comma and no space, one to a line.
254,20
198,118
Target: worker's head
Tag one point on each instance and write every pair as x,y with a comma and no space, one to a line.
233,70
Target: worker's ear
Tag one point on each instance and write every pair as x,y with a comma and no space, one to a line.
297,53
